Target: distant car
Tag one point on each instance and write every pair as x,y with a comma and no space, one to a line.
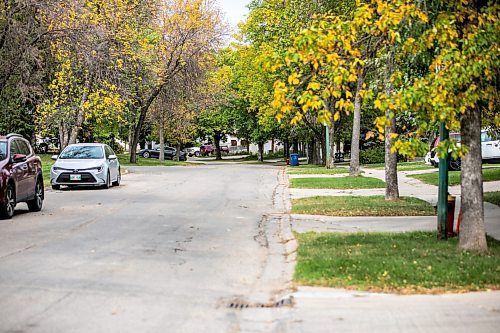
224,149
21,178
207,149
490,151
89,164
44,145
490,148
192,151
170,153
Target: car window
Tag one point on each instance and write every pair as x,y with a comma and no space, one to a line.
24,148
485,137
14,149
82,152
111,152
107,151
3,150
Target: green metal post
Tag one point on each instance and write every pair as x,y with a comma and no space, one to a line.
327,143
442,208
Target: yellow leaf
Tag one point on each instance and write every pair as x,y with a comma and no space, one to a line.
369,135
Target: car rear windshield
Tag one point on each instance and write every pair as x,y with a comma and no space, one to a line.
3,150
82,152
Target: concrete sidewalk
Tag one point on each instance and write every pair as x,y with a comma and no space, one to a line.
407,187
337,310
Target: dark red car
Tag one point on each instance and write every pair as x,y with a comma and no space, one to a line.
21,177
207,149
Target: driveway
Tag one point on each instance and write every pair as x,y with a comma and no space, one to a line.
167,251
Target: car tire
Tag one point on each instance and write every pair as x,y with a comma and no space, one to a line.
56,187
146,154
454,165
7,208
197,154
118,178
108,182
35,204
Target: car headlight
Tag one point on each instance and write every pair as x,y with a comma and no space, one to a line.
99,168
56,168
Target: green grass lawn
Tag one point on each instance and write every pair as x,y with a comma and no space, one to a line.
337,183
402,166
361,206
492,197
405,263
46,165
489,174
309,169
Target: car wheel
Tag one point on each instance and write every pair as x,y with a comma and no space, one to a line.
197,154
56,187
35,205
108,182
118,178
146,154
7,208
455,165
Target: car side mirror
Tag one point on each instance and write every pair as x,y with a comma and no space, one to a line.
18,158
112,157
54,157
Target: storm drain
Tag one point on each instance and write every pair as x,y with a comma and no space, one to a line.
240,304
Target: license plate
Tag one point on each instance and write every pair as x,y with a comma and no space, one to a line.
75,177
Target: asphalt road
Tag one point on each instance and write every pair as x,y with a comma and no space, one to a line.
164,252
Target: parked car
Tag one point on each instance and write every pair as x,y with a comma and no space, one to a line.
21,178
490,148
207,149
89,164
224,150
490,151
192,151
170,153
44,145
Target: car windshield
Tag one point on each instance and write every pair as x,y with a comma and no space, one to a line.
3,150
82,152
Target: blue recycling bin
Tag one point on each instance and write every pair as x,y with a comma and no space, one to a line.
294,160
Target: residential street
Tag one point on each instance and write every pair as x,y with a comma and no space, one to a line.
204,248
165,252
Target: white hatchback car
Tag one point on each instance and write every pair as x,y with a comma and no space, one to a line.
88,164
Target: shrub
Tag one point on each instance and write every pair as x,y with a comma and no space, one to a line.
372,155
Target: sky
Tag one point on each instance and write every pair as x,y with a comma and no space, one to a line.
234,11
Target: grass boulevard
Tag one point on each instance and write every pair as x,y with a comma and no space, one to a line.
404,263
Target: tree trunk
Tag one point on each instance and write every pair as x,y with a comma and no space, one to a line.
391,165
391,159
218,155
80,116
178,152
143,109
356,129
472,231
261,152
63,135
272,145
162,136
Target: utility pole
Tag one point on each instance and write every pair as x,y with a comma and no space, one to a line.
327,143
442,208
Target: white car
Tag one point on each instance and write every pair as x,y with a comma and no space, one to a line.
88,164
192,151
490,151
